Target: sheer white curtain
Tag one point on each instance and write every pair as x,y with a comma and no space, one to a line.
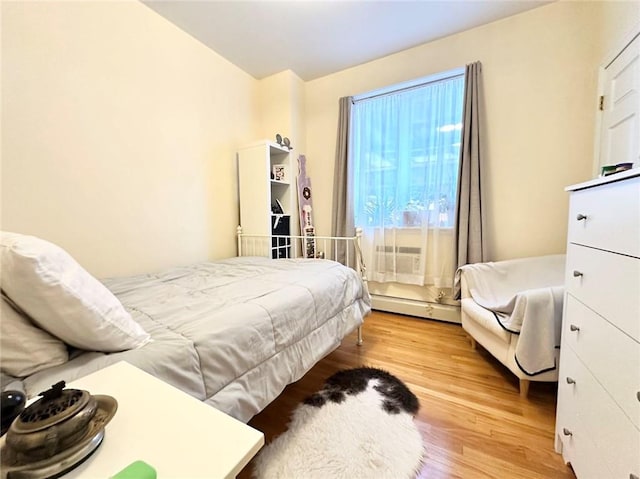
405,151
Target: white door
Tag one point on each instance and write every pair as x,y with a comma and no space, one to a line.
620,105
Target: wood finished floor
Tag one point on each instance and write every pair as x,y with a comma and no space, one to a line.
472,419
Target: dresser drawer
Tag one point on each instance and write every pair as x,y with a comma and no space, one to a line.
607,217
573,437
602,439
608,283
615,436
611,356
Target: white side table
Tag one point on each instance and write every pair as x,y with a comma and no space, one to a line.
176,434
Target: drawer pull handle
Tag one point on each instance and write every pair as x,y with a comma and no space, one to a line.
566,432
576,273
570,380
573,327
581,217
638,395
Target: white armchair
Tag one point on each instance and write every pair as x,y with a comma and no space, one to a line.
513,309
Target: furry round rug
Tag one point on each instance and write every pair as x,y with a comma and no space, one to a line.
359,425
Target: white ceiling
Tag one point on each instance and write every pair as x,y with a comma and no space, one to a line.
314,38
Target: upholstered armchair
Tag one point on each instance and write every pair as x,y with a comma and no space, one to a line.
513,309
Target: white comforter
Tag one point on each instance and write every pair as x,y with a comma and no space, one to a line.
234,332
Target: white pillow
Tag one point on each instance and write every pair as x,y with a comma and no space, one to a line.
24,348
64,299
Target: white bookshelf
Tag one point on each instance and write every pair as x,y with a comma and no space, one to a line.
260,190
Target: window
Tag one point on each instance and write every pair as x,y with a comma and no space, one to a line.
405,147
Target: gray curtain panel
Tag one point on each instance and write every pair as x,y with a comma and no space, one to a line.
343,215
470,244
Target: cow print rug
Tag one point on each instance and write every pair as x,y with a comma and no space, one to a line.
359,425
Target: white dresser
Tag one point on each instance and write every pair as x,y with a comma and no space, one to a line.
598,414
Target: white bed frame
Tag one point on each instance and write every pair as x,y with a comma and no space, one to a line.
343,249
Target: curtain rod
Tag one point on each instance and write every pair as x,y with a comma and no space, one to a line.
410,85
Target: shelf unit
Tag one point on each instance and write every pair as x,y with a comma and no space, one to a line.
262,192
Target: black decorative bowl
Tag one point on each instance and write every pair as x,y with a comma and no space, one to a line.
11,405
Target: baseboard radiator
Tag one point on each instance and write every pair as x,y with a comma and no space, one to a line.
420,309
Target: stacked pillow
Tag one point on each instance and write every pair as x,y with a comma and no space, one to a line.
25,348
57,302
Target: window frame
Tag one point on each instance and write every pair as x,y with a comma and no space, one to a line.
405,86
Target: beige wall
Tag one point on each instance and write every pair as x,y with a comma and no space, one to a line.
280,107
119,135
618,19
119,130
540,77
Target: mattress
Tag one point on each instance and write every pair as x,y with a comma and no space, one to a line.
234,332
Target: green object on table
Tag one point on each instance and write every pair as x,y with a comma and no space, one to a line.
136,470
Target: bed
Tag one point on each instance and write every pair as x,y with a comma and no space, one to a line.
232,333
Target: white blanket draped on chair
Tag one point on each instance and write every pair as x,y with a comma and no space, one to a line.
526,298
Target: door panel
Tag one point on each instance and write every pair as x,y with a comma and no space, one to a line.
620,127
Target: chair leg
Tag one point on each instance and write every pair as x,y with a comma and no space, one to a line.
524,388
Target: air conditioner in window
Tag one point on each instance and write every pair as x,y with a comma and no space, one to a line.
399,259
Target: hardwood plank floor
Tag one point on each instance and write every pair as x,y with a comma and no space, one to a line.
472,419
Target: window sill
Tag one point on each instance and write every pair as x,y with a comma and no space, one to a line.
411,228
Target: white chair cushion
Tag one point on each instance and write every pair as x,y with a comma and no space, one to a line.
64,299
25,348
484,319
